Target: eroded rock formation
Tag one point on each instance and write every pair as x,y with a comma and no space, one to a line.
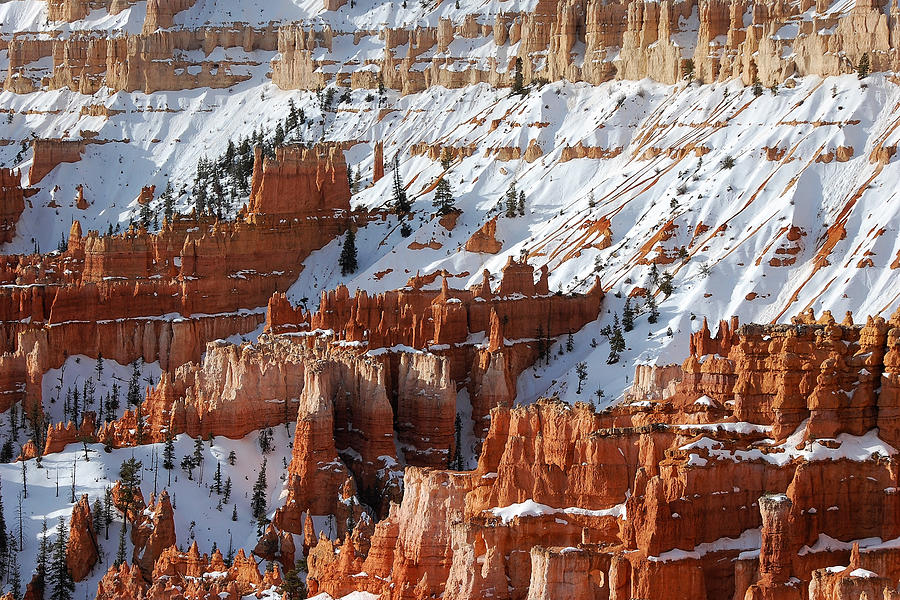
663,498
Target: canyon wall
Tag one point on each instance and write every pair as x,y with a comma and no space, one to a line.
664,498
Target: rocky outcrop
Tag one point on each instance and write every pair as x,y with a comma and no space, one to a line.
82,553
660,498
103,294
593,42
188,575
485,239
154,534
12,203
47,154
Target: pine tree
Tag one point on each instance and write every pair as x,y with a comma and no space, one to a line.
226,490
187,465
169,199
6,452
456,462
4,546
217,478
510,200
107,512
198,450
628,315
134,395
97,514
581,373
446,158
402,205
292,585
169,456
862,67
112,405
99,367
120,553
518,78
652,309
234,513
15,578
258,501
443,197
665,284
521,203
570,343
40,575
129,475
347,260
62,584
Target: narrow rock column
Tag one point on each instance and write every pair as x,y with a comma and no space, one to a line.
774,555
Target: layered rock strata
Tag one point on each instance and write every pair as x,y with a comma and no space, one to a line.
655,499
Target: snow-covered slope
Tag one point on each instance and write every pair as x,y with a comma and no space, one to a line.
667,190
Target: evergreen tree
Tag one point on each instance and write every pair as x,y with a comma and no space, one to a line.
258,501
443,197
570,343
134,395
521,203
581,373
456,462
169,456
169,201
446,158
234,513
518,78
129,475
15,578
112,405
198,450
145,214
99,367
862,67
510,200
665,284
40,575
187,465
347,260
120,553
4,546
6,452
292,585
107,512
232,458
628,316
226,490
63,587
616,342
217,478
97,514
652,309
402,205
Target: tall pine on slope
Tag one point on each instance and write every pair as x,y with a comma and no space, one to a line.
258,501
402,206
347,261
61,583
443,197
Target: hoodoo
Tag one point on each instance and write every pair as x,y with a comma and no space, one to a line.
412,300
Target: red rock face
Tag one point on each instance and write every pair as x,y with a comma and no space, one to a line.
667,501
82,553
102,294
50,153
187,575
154,534
12,203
